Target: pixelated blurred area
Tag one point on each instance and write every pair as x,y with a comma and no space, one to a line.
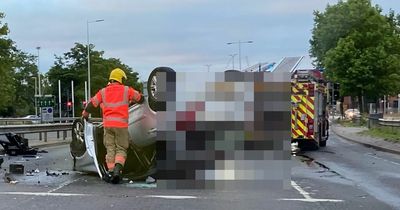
223,130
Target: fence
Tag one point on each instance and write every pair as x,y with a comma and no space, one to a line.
25,121
41,129
375,121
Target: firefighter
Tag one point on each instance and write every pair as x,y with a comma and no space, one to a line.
114,100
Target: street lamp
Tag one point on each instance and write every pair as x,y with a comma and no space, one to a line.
240,55
35,95
38,62
88,52
208,67
233,60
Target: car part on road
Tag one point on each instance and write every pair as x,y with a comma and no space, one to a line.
16,145
17,169
8,178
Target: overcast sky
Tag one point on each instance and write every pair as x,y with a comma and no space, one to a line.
182,34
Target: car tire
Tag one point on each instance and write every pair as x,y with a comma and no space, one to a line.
155,103
77,145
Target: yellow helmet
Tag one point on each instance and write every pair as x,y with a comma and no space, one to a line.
117,75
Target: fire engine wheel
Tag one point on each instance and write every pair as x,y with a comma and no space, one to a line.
322,143
155,102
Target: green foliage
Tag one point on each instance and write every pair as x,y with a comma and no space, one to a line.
359,48
72,66
7,88
386,133
16,69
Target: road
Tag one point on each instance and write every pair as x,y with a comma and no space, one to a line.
341,176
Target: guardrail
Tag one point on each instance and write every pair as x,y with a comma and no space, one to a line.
13,121
40,128
380,122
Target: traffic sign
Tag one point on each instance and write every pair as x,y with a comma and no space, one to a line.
47,114
46,101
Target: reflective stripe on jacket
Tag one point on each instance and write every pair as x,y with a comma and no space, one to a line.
114,100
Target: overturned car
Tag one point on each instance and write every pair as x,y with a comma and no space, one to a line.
87,148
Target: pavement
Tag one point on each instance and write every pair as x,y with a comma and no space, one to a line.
353,134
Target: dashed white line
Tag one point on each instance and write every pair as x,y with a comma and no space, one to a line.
312,200
373,156
63,185
306,195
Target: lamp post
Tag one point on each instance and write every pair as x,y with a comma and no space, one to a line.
38,62
208,67
233,60
88,52
34,95
240,55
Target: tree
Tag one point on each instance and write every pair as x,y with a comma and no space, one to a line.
16,69
72,65
359,48
25,69
7,88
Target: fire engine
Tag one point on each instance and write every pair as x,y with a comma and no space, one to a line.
309,121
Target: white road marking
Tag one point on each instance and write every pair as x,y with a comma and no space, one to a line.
170,196
306,195
312,200
63,185
373,156
44,194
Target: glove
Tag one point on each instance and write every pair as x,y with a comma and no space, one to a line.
85,115
141,99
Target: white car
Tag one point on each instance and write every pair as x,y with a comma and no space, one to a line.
34,119
352,113
88,151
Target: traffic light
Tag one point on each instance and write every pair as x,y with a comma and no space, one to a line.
69,105
336,92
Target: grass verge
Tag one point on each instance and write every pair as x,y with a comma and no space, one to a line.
352,123
387,134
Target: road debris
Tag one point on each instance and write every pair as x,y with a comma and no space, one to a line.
8,178
17,169
16,145
150,180
54,173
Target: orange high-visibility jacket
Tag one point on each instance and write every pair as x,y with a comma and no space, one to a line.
115,103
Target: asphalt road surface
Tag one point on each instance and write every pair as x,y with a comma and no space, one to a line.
343,175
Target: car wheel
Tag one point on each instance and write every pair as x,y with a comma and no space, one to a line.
156,102
77,145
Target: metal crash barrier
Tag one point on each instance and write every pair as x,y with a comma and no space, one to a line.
41,129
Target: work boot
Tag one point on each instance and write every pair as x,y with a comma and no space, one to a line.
108,176
116,178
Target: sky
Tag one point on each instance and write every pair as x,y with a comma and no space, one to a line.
186,35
